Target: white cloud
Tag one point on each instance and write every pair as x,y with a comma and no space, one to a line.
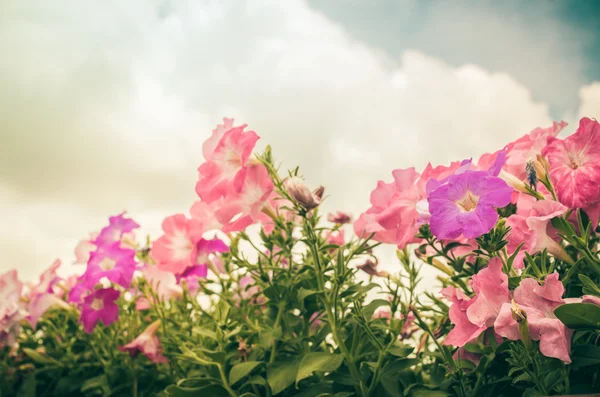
590,101
104,108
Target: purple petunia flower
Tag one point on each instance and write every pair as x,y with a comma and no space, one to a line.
118,226
465,203
99,305
113,262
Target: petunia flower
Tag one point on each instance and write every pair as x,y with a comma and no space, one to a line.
226,152
43,296
472,316
538,302
535,231
466,204
302,194
370,268
84,248
118,227
173,251
148,344
113,262
47,280
99,306
575,165
11,309
163,283
339,217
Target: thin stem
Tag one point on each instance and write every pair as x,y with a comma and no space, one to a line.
225,382
280,309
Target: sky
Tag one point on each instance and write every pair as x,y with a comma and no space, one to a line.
104,105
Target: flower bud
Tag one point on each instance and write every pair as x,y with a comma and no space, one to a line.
520,316
300,192
370,267
339,217
541,166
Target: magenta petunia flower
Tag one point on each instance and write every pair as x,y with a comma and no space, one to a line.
117,227
99,305
465,204
148,343
113,262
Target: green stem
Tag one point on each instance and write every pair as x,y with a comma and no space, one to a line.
280,309
225,382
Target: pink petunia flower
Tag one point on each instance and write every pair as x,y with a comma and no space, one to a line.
575,165
174,250
393,214
536,231
113,262
466,204
472,316
148,344
99,306
84,248
226,152
11,309
163,283
118,227
47,280
538,302
43,296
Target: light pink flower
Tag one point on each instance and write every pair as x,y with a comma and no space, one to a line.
11,310
536,231
226,152
163,283
175,249
539,303
335,237
148,343
84,248
99,305
205,214
575,165
41,304
47,280
472,316
393,214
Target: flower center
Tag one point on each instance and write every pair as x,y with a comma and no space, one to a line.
97,304
468,202
107,264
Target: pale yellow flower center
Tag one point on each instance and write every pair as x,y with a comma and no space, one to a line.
468,202
97,304
107,264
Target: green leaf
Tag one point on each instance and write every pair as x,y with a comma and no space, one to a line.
239,371
281,375
400,350
40,358
584,355
205,332
303,293
400,364
589,286
318,362
98,382
370,308
209,390
248,395
430,393
28,387
579,315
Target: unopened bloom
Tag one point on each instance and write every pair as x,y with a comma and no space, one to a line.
339,217
538,303
575,165
99,305
370,267
302,194
147,343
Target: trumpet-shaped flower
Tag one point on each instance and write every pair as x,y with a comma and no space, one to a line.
118,226
113,262
148,344
538,302
226,152
47,280
163,283
174,250
42,296
84,248
472,316
575,165
99,306
466,204
41,304
11,311
339,217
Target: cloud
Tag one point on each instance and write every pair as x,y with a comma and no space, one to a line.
590,101
104,108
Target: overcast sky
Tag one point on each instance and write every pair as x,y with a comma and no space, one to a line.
104,105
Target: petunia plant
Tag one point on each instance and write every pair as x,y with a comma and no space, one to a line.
251,292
